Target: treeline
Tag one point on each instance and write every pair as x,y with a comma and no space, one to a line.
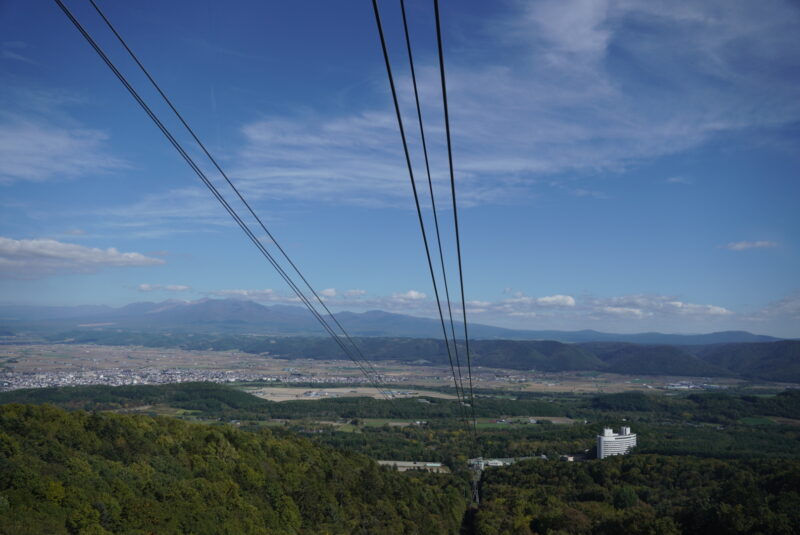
221,401
719,407
192,396
642,494
774,361
710,424
75,472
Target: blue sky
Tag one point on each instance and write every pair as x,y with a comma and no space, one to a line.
622,165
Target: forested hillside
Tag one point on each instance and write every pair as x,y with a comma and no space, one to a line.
74,472
776,361
642,494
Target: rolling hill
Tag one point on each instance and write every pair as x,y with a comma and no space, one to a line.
78,472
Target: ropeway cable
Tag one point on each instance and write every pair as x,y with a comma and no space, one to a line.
245,228
213,160
430,188
455,207
459,394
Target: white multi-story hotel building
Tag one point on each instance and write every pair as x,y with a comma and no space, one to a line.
611,443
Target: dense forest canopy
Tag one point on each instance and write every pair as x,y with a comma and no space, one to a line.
642,494
700,459
75,472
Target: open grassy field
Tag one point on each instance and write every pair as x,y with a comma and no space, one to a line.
279,393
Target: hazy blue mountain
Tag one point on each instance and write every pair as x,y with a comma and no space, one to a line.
239,316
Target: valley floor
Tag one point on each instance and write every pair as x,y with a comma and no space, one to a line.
44,365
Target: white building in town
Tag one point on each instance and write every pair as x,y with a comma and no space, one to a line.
611,443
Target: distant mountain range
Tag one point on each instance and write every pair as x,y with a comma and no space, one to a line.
231,316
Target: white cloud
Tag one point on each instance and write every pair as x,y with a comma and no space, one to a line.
411,295
177,287
328,292
355,293
265,295
626,311
557,301
148,287
523,311
642,306
577,28
744,245
689,308
29,259
521,301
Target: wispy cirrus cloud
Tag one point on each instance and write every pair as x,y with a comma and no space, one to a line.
35,150
41,140
15,51
745,245
32,259
578,96
787,308
176,211
323,159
